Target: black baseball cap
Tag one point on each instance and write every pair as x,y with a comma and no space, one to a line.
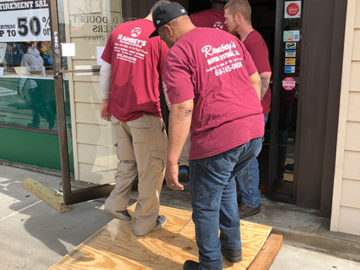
165,13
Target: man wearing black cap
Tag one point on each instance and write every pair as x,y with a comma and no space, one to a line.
212,85
214,18
129,82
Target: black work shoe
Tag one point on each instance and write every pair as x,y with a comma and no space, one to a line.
247,211
231,255
191,265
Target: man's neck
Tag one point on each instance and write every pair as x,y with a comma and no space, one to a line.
186,29
149,17
245,31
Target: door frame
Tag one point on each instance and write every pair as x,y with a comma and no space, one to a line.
70,196
323,30
317,130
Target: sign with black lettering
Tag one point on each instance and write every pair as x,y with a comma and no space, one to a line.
24,21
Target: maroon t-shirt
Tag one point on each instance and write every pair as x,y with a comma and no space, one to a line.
209,18
212,67
259,52
136,61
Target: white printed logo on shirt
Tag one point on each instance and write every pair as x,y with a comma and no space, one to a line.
218,25
136,32
222,59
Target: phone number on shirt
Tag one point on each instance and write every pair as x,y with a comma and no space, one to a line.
228,68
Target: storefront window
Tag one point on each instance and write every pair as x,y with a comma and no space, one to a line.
28,117
27,87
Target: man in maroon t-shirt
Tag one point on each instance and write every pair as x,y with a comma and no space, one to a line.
213,18
129,83
238,21
213,87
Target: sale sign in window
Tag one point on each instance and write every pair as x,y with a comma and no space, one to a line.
24,21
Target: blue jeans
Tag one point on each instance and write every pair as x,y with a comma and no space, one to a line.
214,203
248,180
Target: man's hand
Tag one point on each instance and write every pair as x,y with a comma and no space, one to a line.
171,177
179,125
104,110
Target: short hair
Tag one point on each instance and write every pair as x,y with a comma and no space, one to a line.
240,6
157,4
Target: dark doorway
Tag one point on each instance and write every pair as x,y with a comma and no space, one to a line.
278,183
196,6
277,159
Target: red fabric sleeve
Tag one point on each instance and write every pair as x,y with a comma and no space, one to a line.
107,54
250,65
259,53
177,78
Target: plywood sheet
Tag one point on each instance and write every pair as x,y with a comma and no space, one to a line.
115,246
268,253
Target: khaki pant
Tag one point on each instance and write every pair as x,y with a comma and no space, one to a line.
142,147
184,156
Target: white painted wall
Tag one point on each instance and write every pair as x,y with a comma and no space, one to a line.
346,198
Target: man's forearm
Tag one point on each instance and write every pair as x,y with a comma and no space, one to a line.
265,81
179,126
104,80
256,83
264,86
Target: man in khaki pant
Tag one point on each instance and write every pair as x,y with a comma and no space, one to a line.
129,82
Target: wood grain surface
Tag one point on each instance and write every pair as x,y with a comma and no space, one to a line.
267,254
115,246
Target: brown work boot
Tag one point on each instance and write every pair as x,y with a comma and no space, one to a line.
247,211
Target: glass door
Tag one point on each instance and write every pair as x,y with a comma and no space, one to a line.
28,126
79,33
283,125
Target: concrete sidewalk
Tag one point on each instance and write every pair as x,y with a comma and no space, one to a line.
34,236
